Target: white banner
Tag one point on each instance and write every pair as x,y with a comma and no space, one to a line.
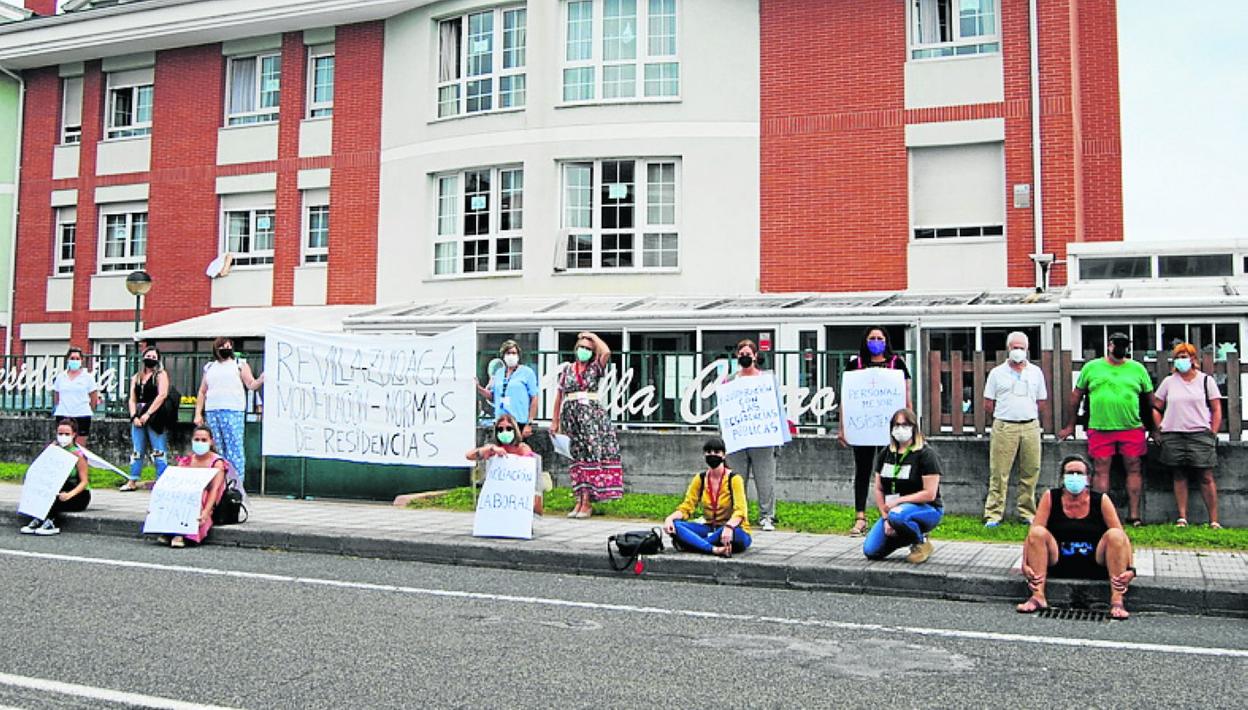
44,479
505,508
869,398
370,398
750,413
177,499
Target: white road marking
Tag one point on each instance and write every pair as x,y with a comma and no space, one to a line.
651,610
104,694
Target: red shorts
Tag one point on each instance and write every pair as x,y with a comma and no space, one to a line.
1129,442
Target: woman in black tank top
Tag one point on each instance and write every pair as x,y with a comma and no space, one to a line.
1076,534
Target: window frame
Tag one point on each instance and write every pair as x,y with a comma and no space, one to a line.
497,72
642,227
916,49
252,258
320,109
264,115
597,63
114,265
310,255
492,237
60,265
71,133
135,129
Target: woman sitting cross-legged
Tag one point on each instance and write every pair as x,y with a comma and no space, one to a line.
721,494
907,492
1076,534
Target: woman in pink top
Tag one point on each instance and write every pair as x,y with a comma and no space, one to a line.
1188,414
203,456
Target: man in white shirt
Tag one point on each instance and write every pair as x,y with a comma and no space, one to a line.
1015,395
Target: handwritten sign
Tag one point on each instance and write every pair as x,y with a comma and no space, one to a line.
370,398
750,413
505,507
44,479
869,398
177,499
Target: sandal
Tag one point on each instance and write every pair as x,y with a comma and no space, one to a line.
130,486
1118,612
1031,606
860,528
1215,525
1180,523
1135,522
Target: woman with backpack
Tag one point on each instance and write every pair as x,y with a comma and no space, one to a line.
222,402
149,390
875,351
1188,412
203,456
720,492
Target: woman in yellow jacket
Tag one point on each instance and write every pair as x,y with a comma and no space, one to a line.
721,494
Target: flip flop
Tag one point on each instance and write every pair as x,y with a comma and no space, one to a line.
1118,612
1180,523
1215,526
1031,606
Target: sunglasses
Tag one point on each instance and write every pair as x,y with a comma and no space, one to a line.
506,428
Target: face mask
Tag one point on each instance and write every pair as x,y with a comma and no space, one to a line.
903,433
745,360
1182,364
73,365
150,362
226,353
200,447
64,439
714,460
511,360
1018,355
506,436
876,347
584,354
1120,350
1075,483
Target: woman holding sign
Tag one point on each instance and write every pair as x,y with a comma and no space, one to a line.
596,471
203,456
222,401
74,496
756,461
721,494
510,438
907,493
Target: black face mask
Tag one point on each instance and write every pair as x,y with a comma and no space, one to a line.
745,360
226,353
150,362
714,461
1120,350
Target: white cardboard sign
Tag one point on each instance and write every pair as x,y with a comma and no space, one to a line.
750,413
177,499
869,398
505,507
44,479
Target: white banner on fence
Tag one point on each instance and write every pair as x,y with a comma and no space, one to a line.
868,400
44,479
750,413
370,398
177,499
505,507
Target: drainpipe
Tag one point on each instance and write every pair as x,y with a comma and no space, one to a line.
1042,260
17,175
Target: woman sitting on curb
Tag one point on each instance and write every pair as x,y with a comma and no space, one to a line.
204,455
74,496
509,436
907,493
721,493
1076,534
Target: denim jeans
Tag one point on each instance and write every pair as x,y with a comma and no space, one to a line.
144,438
700,537
910,521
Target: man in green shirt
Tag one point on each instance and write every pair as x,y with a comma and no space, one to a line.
1115,386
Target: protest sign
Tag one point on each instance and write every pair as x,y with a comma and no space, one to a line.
869,398
370,398
750,413
44,479
505,507
177,499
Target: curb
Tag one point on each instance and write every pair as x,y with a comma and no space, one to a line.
1146,594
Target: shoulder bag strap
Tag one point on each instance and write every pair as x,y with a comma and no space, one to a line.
611,555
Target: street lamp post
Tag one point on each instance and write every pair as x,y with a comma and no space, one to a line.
138,283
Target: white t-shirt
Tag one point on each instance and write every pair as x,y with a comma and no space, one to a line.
225,386
74,394
1016,393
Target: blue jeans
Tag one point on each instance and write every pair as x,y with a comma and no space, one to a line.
910,521
700,537
142,437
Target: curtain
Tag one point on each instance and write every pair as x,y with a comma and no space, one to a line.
448,50
927,21
243,85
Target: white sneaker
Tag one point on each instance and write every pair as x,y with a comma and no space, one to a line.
48,528
30,527
767,525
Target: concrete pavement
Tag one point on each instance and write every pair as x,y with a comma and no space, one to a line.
1195,582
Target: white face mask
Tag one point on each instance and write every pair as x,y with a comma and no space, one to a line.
64,439
1018,355
511,359
903,433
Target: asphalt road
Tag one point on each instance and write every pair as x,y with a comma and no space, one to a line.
257,629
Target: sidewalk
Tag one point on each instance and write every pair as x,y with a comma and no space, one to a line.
1169,580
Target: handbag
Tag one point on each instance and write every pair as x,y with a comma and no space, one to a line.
230,510
633,544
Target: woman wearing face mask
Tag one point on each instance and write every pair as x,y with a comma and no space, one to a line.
75,394
720,492
514,388
596,471
875,351
74,496
148,390
203,456
757,462
1076,534
509,440
1188,412
222,402
907,493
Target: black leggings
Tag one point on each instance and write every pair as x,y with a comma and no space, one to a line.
77,504
864,459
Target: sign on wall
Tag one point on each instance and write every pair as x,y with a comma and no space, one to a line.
44,479
505,507
869,398
384,399
751,414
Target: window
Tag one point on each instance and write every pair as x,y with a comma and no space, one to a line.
620,214
315,226
958,191
947,28
129,110
1115,267
124,239
249,235
254,89
1217,339
480,222
1195,265
474,76
66,239
71,110
634,57
321,81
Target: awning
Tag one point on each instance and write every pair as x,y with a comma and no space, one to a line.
253,322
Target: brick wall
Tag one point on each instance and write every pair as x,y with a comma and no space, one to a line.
33,264
286,250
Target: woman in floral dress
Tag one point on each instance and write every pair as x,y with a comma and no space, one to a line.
596,471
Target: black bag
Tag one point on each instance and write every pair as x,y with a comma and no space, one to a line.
230,509
634,544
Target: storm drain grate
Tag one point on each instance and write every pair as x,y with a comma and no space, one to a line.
1073,614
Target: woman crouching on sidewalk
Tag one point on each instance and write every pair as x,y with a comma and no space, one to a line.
907,493
509,438
721,494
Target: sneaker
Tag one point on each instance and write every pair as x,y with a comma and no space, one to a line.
48,528
992,524
767,525
920,552
30,527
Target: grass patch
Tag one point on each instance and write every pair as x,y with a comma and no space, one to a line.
100,478
829,518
